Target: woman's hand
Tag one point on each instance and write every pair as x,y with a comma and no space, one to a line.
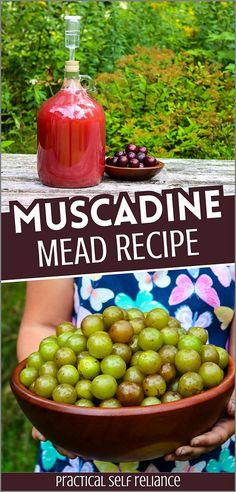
39,437
208,441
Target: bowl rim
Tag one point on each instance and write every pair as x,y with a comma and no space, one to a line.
25,394
159,165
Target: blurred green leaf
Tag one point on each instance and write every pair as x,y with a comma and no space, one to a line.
6,143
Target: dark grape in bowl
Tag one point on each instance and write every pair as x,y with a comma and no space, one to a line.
132,164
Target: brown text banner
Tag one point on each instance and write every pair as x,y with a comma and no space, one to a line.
121,481
71,237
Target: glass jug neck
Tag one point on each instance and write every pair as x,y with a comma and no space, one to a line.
72,82
72,76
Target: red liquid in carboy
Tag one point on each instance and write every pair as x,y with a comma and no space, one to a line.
71,140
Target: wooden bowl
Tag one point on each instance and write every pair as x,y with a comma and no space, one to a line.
133,174
124,434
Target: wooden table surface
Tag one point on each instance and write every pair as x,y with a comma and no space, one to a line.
20,180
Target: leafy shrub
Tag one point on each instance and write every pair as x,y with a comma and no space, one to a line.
169,103
34,54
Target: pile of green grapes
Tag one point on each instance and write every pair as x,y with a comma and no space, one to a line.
124,358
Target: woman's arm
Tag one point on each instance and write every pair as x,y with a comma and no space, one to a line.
216,436
48,303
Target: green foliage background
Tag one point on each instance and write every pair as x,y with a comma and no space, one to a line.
163,71
164,74
18,448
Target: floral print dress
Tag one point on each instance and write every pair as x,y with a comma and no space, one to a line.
196,297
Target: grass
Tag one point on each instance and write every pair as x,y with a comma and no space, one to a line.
19,450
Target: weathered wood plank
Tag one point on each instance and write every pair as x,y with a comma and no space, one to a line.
20,181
